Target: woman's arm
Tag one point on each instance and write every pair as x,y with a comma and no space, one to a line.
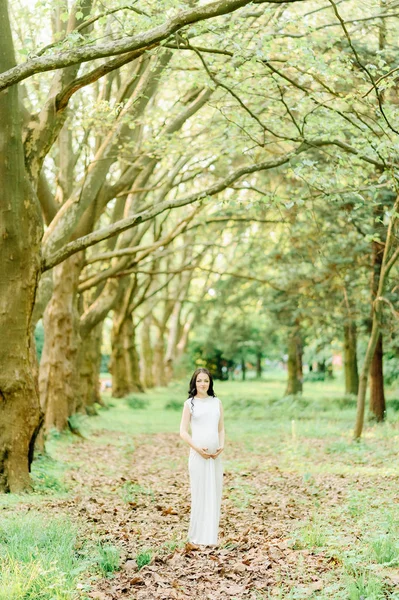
221,432
184,425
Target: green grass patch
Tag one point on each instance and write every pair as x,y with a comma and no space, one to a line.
39,558
48,475
143,558
131,492
365,586
108,558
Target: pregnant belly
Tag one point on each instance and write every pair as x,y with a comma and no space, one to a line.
209,440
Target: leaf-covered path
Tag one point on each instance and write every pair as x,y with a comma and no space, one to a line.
136,496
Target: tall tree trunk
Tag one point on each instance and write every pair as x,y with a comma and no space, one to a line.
58,366
89,362
377,396
159,359
294,365
174,328
377,405
147,355
350,358
259,365
388,260
20,234
124,364
182,343
243,369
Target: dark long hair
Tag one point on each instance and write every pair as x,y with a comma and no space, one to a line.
192,389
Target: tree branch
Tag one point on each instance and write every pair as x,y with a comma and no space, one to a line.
136,42
51,260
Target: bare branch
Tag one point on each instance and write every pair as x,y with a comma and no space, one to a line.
51,260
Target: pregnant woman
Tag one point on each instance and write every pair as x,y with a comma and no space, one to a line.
204,411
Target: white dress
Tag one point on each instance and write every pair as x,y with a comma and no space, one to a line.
206,474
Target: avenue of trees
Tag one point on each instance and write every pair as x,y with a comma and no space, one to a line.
225,167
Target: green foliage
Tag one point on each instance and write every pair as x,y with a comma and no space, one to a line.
48,475
136,402
312,535
108,558
38,558
143,558
314,376
385,549
131,492
39,339
364,586
393,404
104,366
391,367
174,404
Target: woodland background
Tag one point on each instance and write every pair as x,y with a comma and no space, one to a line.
191,184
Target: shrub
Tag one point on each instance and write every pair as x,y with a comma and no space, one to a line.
136,402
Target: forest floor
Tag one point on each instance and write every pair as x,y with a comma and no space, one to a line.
306,513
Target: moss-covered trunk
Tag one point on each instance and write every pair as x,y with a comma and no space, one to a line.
58,366
173,338
20,235
159,358
89,362
124,364
147,355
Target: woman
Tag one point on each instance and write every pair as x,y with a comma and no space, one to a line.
204,411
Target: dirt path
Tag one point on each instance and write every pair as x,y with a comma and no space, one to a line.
138,500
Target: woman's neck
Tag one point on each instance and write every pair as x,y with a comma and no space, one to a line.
201,395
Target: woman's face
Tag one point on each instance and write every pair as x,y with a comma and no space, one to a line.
202,383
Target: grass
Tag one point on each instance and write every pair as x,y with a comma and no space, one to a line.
108,558
130,492
38,558
143,558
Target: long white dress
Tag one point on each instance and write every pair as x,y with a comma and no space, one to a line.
206,474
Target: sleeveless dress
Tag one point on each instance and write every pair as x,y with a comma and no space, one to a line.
206,474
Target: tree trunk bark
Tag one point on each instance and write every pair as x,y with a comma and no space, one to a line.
159,359
386,265
361,397
20,235
243,369
58,378
350,358
259,365
294,365
89,362
377,397
377,405
174,328
124,365
182,343
147,355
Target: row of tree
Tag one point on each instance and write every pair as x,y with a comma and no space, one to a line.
153,151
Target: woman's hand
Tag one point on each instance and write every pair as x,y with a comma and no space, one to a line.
218,451
204,453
